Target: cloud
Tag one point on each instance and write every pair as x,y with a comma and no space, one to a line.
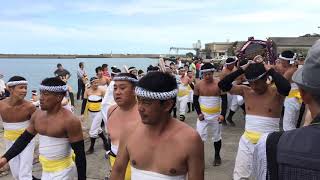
137,7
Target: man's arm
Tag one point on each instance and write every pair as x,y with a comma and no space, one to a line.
84,101
282,84
119,168
226,83
196,94
21,143
74,132
195,160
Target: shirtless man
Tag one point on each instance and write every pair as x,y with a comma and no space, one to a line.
59,132
15,113
124,115
263,109
102,80
156,147
190,74
286,65
210,110
228,68
184,86
92,100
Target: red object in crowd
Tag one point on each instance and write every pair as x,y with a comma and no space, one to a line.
106,74
198,66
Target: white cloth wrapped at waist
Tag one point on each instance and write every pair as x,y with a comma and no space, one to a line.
94,98
54,148
16,126
137,174
261,124
114,149
294,86
210,106
12,131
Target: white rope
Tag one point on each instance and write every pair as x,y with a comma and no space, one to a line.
125,78
14,83
141,92
207,70
254,79
63,88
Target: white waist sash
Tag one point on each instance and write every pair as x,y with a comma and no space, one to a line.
261,124
137,174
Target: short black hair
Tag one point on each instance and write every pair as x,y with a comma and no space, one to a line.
207,66
16,78
54,81
159,82
288,54
230,59
80,64
255,70
59,65
99,68
104,66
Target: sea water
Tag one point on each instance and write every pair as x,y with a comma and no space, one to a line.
35,70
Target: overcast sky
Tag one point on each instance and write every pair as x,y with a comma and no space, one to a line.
142,26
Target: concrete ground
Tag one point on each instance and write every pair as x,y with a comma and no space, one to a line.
97,166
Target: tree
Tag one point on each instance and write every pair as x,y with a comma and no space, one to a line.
189,55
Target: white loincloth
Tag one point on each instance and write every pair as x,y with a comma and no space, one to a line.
95,128
210,108
257,126
190,100
291,110
230,97
56,149
183,98
137,174
21,165
259,162
237,101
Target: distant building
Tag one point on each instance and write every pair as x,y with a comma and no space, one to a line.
299,45
217,49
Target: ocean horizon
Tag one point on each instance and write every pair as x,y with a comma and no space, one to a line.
35,70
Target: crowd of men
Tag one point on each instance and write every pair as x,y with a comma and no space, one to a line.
144,140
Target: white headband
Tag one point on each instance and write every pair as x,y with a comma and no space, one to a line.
291,60
208,70
254,79
14,83
141,92
58,89
125,78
